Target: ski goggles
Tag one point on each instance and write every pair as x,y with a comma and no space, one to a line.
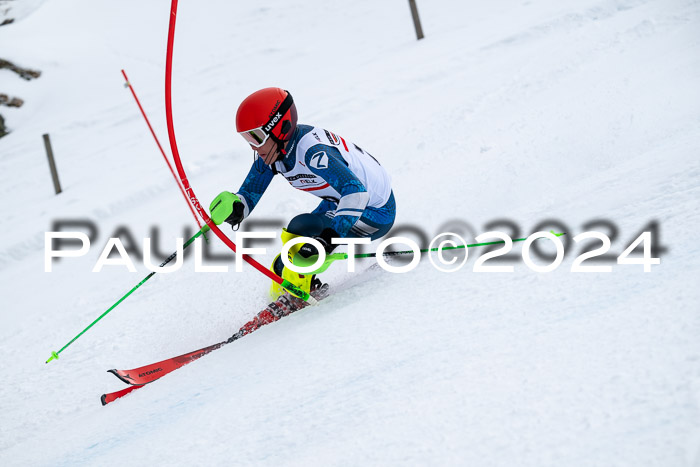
255,137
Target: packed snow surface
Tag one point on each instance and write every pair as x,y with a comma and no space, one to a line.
525,111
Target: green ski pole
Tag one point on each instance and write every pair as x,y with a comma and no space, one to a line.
340,256
425,250
54,355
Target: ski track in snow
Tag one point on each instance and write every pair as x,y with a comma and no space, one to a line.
519,110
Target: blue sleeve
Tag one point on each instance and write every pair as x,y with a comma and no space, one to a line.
327,162
254,185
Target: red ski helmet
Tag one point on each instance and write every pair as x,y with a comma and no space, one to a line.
269,112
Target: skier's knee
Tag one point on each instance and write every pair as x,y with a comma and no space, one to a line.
306,225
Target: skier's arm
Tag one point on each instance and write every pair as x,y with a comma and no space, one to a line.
353,194
254,185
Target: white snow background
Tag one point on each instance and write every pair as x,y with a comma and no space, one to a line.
523,110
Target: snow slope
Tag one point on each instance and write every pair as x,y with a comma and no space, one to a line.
526,111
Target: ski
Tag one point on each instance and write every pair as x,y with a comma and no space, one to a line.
112,396
147,373
276,310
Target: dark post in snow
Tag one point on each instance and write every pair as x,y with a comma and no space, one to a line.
416,19
52,164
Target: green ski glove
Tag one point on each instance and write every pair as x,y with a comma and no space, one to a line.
227,207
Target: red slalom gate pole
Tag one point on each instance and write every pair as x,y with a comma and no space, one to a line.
143,112
183,176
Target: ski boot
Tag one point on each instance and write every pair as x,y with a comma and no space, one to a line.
306,282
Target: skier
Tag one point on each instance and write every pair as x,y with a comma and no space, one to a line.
357,200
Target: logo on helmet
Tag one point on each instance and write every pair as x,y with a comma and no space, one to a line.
272,123
275,107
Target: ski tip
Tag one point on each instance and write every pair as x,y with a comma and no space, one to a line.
103,399
116,373
121,377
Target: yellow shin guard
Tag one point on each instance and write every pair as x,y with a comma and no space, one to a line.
299,280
